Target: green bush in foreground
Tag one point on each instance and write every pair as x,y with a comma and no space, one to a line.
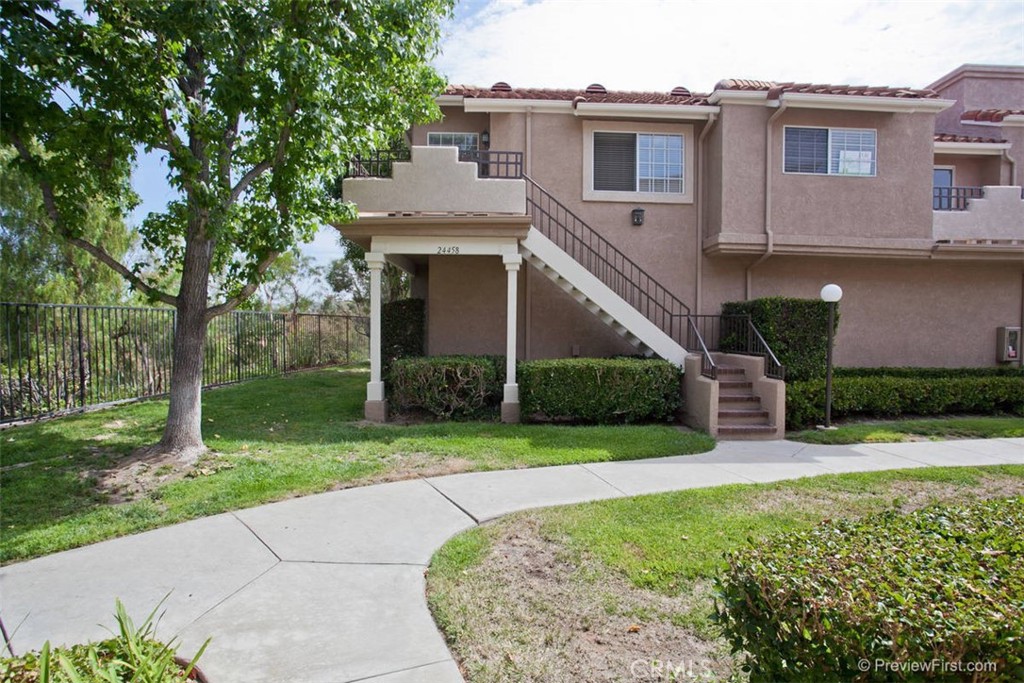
600,390
940,589
897,395
460,387
132,655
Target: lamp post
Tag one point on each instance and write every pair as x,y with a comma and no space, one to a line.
830,294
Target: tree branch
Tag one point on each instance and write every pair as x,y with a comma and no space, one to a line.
231,303
100,254
244,182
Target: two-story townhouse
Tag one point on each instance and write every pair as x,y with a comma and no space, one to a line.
596,223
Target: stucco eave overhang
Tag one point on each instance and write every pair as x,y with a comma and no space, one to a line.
800,100
996,250
644,111
815,245
972,148
373,225
501,106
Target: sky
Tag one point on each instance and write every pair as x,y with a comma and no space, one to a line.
660,44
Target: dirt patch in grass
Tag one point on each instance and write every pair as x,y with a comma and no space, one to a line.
536,613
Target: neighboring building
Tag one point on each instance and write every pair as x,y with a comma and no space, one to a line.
909,199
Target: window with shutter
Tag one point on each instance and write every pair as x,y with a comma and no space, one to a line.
615,162
637,162
829,151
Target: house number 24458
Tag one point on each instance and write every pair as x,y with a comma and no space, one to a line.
447,250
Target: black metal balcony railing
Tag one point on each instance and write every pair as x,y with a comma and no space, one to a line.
490,164
954,198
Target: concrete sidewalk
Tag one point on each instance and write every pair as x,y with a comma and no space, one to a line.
329,588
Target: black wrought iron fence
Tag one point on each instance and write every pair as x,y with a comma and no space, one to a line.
56,357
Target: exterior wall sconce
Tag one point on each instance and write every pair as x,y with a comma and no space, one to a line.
485,139
638,216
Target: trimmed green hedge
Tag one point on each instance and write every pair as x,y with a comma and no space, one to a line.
867,599
450,387
887,396
795,329
403,325
918,373
600,390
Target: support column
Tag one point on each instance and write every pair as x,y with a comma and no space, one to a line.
375,408
510,399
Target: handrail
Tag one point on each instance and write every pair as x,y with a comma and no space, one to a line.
736,333
605,261
707,363
772,367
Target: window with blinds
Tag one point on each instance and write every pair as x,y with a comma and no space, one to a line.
638,162
466,142
830,151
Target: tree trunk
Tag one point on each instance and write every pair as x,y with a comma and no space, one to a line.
183,433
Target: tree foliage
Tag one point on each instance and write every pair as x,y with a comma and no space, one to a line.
256,106
37,264
350,276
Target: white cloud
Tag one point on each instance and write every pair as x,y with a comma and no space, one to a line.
658,44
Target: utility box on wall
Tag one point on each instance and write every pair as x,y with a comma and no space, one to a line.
1008,340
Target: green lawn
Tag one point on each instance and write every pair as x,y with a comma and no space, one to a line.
269,439
933,429
652,559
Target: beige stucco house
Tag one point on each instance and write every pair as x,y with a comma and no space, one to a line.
548,223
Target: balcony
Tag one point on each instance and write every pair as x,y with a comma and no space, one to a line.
489,163
990,216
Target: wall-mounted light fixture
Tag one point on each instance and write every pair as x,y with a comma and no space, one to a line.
485,139
638,216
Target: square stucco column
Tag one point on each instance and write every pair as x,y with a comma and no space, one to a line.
510,399
375,408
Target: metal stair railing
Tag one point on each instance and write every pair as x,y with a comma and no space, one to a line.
606,262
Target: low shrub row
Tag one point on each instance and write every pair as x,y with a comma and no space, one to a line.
450,387
887,396
872,599
590,390
600,390
931,373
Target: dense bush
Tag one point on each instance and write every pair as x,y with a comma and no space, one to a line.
403,325
601,390
854,600
463,387
994,371
795,329
959,391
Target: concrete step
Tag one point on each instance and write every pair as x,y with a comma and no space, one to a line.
732,417
730,370
745,432
738,398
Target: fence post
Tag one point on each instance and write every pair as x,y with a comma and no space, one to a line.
319,343
348,348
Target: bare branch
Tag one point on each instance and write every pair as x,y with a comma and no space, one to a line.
49,202
244,182
233,302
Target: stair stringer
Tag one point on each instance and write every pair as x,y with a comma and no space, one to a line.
585,282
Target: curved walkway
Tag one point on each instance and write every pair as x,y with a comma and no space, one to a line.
330,588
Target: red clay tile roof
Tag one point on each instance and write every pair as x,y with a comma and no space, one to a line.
501,91
990,115
951,137
776,89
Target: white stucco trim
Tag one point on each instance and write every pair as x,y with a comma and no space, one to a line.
673,112
689,170
749,97
486,104
801,100
433,245
973,148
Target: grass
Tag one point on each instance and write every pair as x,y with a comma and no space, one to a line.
933,429
269,439
661,552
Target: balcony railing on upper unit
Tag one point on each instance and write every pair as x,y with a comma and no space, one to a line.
955,198
489,163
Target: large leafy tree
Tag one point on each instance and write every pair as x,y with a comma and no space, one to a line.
255,106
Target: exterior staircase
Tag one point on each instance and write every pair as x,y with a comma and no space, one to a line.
740,413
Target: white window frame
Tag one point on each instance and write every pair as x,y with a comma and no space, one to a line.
683,130
431,136
828,153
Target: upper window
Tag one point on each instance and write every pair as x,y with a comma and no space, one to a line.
636,162
466,142
830,151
